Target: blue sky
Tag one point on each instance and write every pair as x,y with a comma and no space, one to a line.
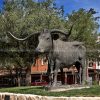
1,2
70,5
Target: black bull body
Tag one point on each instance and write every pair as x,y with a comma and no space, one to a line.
60,53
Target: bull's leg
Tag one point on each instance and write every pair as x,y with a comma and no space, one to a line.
55,73
50,71
79,75
84,68
55,78
61,69
50,79
78,78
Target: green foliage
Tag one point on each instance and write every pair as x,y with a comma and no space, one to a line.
95,82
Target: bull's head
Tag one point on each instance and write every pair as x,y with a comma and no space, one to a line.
46,38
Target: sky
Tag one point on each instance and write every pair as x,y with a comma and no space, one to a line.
1,2
70,5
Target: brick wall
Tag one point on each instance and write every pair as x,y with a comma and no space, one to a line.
12,96
40,66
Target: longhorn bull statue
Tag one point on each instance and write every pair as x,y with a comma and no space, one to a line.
60,53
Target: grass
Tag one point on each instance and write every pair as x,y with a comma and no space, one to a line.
93,91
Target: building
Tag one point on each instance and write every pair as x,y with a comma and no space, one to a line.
39,72
10,77
98,39
93,71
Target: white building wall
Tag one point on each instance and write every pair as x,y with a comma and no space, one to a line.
98,65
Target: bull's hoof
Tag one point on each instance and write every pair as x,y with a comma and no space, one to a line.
50,87
54,85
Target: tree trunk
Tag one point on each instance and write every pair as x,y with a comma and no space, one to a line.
18,77
19,81
28,76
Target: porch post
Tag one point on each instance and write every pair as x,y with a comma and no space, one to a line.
41,76
75,78
65,77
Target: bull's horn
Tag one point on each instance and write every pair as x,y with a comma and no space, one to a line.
22,39
70,31
58,31
67,34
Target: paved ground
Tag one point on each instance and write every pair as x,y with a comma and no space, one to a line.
67,87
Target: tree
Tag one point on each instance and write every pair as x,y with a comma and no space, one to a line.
22,21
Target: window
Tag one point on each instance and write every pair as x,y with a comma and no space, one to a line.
44,61
90,64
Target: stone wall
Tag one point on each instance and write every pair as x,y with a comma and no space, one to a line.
12,96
